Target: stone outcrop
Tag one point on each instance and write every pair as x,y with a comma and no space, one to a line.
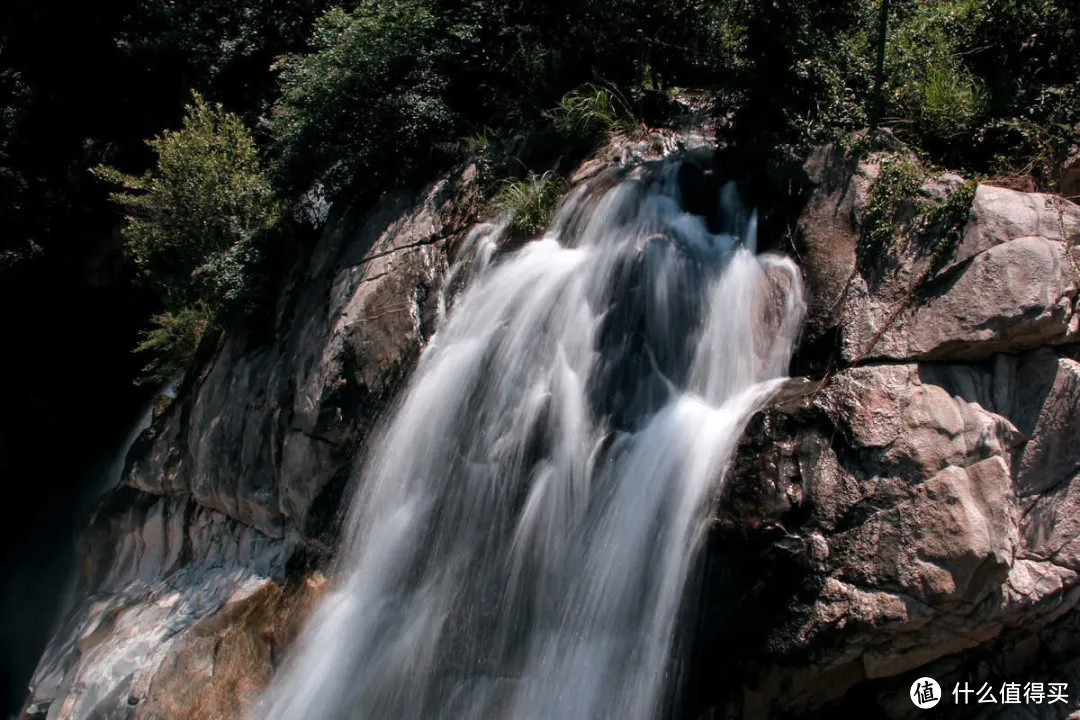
1010,283
914,505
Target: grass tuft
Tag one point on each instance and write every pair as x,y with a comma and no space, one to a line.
529,201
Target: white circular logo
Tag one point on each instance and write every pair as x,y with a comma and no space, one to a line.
925,693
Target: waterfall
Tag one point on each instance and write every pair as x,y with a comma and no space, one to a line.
523,527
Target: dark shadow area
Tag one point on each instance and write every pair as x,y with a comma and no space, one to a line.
754,585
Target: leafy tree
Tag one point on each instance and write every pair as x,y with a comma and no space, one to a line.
803,78
194,225
389,84
364,108
192,220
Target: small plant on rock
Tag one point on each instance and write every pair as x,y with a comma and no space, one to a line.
946,223
529,201
171,342
896,185
591,112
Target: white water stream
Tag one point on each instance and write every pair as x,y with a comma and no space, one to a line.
523,529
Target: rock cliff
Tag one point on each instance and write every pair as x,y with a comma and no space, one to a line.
909,506
913,504
198,570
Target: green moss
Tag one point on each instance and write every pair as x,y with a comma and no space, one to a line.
895,186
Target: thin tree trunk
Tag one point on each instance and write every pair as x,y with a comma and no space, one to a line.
879,70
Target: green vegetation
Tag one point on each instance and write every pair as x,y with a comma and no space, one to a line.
388,87
194,225
965,76
893,191
894,209
930,91
946,222
591,112
949,102
379,93
172,341
365,106
529,202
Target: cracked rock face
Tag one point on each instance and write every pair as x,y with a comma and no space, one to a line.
916,510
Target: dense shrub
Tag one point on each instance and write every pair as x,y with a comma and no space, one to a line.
195,224
385,88
364,108
389,85
981,86
223,47
987,86
802,79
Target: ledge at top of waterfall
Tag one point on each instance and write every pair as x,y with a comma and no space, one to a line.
522,531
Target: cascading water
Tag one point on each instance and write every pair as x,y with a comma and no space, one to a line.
523,528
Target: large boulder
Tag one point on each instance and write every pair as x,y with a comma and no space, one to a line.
933,511
1009,284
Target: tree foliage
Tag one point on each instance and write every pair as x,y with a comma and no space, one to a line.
193,222
194,226
366,104
388,84
377,92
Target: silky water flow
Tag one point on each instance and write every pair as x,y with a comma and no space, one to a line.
523,528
